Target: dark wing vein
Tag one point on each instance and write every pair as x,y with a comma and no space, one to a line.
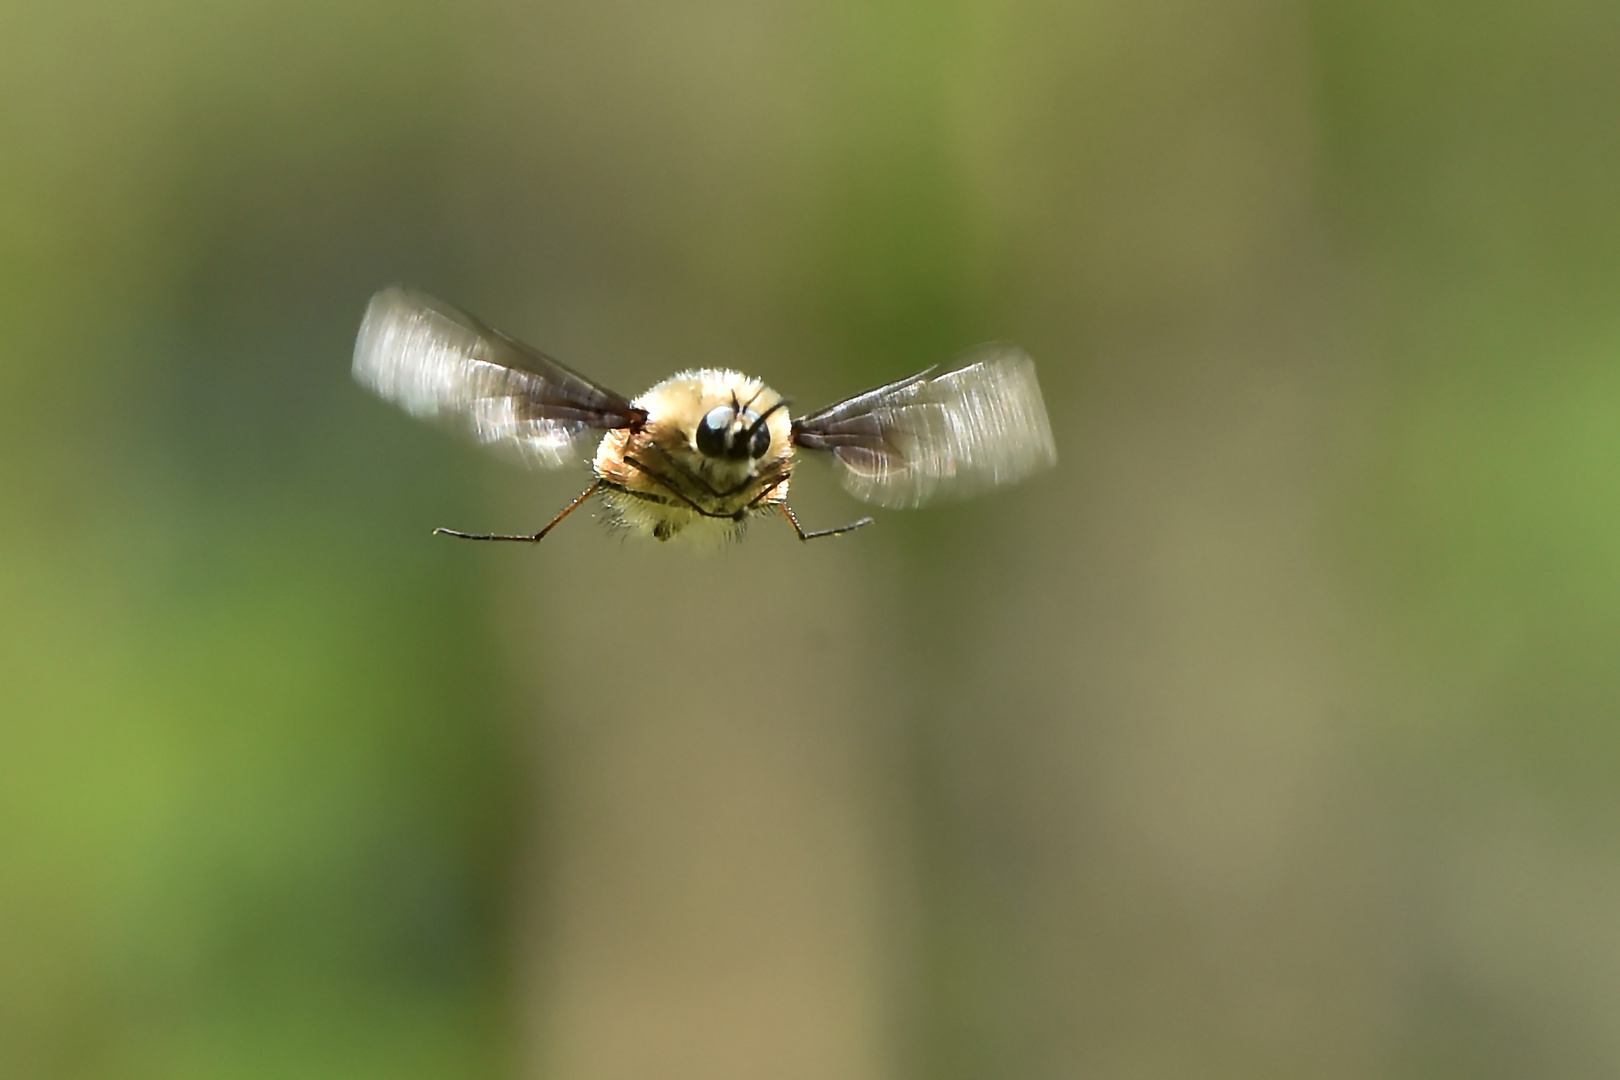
437,362
940,433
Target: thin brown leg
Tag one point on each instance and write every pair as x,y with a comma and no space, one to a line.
537,537
851,527
665,484
767,493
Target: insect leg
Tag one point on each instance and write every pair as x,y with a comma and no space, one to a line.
851,527
537,537
767,493
667,486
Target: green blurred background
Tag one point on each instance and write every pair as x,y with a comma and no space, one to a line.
1276,734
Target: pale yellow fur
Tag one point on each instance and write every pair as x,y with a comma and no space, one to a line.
630,463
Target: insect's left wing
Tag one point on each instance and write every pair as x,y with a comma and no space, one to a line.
437,362
939,434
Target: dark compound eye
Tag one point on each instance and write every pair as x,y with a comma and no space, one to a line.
711,434
751,439
759,441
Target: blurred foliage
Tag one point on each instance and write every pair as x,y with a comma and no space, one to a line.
266,758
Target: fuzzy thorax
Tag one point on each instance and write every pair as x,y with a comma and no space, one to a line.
669,477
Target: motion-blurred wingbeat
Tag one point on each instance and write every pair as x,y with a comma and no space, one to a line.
703,451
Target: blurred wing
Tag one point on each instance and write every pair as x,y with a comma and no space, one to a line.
440,363
939,434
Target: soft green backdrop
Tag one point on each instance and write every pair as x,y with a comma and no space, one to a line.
1277,734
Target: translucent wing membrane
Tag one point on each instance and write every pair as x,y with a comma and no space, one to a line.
438,362
939,434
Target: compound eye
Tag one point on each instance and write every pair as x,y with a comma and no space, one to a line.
711,434
759,441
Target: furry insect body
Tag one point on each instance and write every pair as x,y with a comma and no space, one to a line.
702,452
659,482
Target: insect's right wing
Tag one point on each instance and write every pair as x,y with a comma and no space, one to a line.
437,362
941,433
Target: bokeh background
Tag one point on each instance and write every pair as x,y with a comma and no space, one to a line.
1275,734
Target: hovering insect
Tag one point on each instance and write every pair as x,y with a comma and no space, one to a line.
703,451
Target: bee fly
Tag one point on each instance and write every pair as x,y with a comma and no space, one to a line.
703,451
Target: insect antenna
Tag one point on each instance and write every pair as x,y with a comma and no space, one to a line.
766,415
